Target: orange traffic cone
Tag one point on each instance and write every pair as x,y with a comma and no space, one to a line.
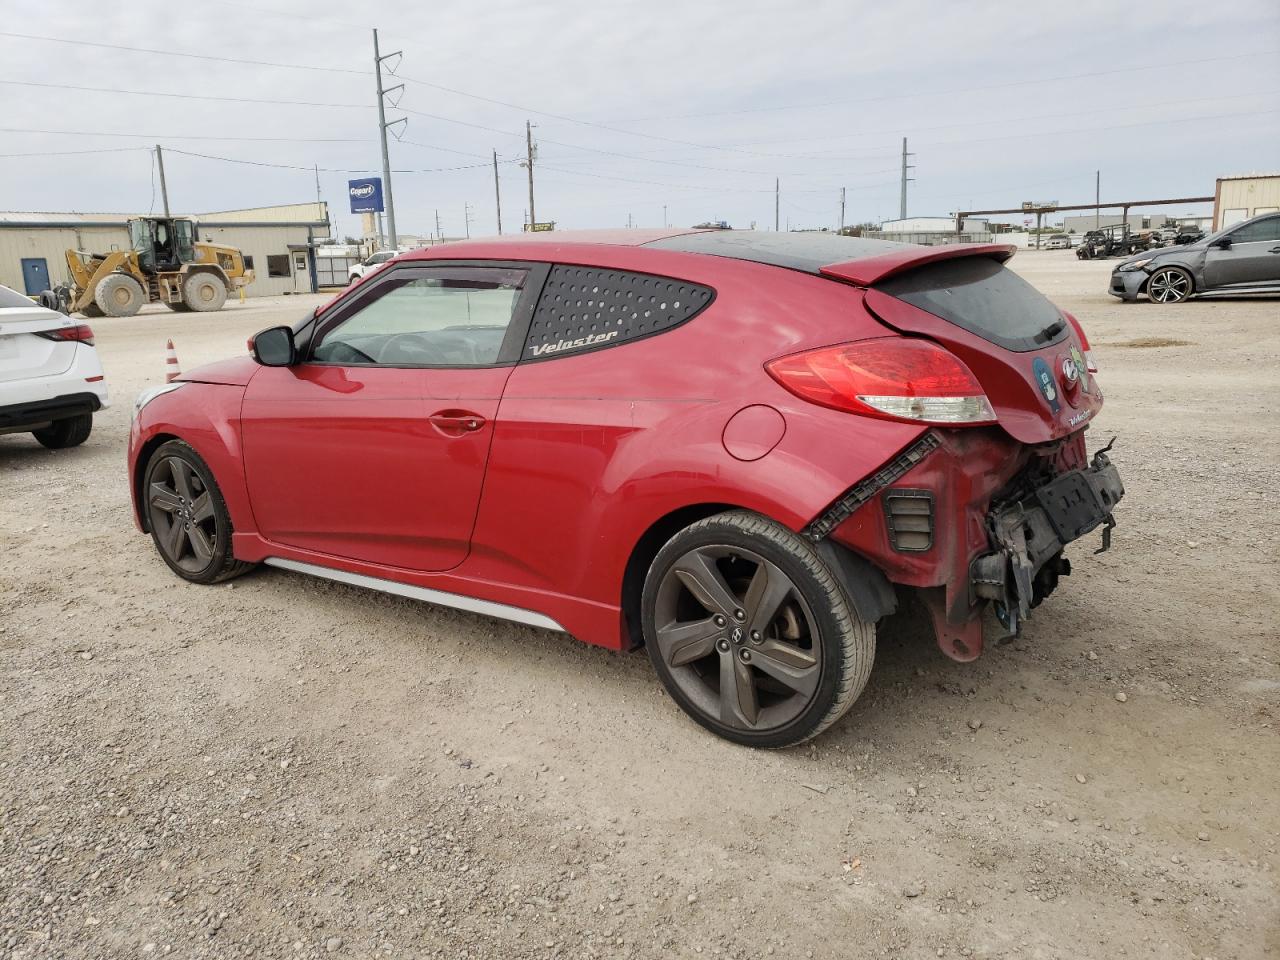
172,372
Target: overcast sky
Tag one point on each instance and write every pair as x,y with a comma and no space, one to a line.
696,105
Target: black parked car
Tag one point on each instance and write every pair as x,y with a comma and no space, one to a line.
1244,258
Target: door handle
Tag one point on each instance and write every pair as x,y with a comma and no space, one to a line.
456,423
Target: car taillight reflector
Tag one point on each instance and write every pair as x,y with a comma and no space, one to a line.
892,377
1089,363
80,333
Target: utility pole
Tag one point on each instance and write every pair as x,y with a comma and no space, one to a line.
528,138
466,218
1097,198
777,196
382,135
842,210
664,216
902,199
164,189
439,235
497,192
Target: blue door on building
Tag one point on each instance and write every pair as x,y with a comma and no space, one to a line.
35,275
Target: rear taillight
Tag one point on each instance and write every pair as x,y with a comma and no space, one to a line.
1089,363
80,333
893,377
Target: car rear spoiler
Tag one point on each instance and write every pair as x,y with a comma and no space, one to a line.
872,270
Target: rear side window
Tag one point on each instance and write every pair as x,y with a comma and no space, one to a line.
983,296
584,308
1260,231
11,298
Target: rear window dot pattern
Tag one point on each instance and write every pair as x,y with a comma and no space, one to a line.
583,308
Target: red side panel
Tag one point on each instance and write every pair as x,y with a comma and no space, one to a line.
207,417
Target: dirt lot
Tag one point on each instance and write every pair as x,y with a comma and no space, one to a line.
283,767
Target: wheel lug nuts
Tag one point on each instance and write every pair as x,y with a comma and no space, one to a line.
739,614
745,655
755,636
722,645
720,621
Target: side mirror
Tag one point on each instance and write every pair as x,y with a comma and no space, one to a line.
1224,243
274,347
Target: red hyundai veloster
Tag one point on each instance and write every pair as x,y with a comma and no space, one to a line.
739,450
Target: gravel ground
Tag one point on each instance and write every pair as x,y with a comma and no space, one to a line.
283,767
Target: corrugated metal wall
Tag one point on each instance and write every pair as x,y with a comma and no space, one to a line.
1244,198
51,243
260,242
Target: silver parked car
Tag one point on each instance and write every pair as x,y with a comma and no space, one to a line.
1244,258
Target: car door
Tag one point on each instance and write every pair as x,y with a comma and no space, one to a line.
373,447
1253,256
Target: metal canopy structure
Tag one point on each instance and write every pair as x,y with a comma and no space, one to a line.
1041,209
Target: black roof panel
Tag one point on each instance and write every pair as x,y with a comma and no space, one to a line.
795,251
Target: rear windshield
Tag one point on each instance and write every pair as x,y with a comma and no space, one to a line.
11,298
983,296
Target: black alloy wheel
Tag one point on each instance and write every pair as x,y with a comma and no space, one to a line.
187,516
750,632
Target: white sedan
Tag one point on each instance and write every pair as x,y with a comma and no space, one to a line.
371,264
51,380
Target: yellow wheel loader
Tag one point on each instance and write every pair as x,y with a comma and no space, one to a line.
166,264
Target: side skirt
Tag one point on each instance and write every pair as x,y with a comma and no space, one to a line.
456,600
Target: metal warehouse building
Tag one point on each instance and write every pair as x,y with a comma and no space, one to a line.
1239,198
279,241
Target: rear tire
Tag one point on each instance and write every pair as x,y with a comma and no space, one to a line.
188,517
751,633
204,292
119,295
70,432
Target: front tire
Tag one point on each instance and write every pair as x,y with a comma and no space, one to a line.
1169,285
204,292
119,295
751,633
187,516
70,432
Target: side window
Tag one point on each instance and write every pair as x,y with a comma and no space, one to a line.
1267,231
583,308
277,265
448,317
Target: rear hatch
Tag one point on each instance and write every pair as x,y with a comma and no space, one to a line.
1027,354
24,353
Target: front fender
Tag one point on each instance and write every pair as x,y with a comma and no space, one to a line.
207,417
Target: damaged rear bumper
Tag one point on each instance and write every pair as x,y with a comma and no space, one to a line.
1030,534
971,519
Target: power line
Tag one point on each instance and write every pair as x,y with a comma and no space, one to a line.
177,136
185,96
312,167
73,153
950,92
179,53
1010,121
